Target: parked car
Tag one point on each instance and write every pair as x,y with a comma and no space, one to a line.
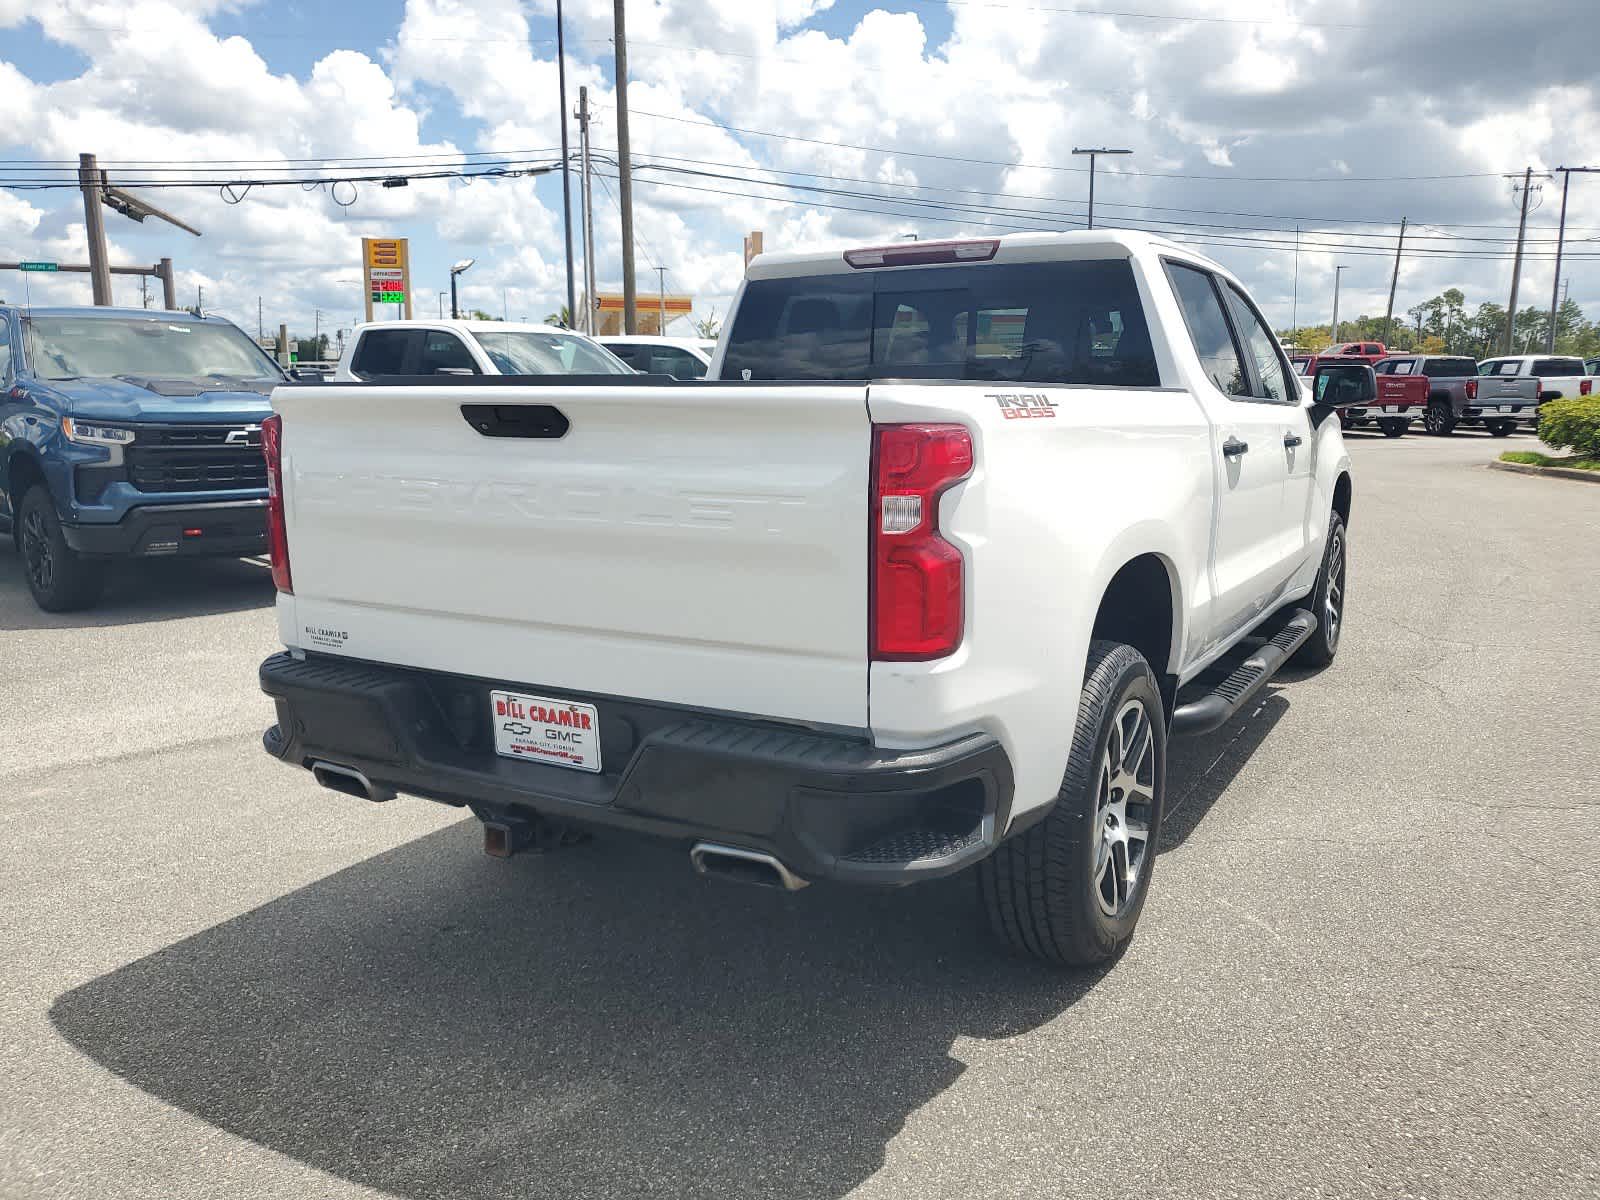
1371,352
404,349
909,599
1556,377
682,358
1455,395
127,434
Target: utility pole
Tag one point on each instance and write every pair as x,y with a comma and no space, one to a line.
1516,263
94,226
199,300
1093,154
169,289
1294,320
1561,235
661,319
1334,331
144,291
1394,282
588,213
630,314
566,173
261,320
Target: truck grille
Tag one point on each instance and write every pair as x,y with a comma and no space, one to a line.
196,458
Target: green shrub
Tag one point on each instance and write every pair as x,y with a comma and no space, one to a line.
1572,425
1528,458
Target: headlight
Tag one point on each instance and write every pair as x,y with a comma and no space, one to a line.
95,435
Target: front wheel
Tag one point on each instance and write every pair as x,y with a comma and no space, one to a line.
1327,601
1070,889
1502,428
1440,419
1393,428
60,579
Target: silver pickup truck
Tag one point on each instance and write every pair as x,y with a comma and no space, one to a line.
1554,377
1459,395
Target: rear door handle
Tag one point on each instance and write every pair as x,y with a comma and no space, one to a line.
1291,440
1233,447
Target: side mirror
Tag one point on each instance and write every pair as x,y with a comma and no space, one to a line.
1344,385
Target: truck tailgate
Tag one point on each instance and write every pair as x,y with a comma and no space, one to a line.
1494,388
700,543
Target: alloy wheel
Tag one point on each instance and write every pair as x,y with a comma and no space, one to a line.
1124,808
1333,602
36,552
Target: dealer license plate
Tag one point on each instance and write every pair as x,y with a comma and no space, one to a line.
543,729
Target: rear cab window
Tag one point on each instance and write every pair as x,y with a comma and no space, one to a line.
1449,368
381,352
1074,322
1557,366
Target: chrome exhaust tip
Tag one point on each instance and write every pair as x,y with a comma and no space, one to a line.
744,866
351,782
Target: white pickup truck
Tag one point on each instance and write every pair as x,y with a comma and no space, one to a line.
921,581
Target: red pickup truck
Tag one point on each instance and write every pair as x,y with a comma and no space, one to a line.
1401,398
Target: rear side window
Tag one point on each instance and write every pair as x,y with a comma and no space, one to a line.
1557,366
1449,368
1404,367
1208,328
5,347
381,352
1066,322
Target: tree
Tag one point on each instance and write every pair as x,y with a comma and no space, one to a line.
560,317
1486,327
711,327
312,349
478,314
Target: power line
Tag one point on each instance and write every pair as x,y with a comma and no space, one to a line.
1180,18
991,162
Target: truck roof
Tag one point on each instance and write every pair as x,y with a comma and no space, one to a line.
1011,247
90,310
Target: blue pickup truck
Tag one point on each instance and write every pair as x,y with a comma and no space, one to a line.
127,434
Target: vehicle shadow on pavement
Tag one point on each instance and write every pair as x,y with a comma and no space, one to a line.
597,1022
140,592
1200,769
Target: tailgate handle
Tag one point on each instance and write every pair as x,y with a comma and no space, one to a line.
516,420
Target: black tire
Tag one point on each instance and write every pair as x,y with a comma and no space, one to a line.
1041,889
1327,600
60,579
1501,428
1440,419
1393,428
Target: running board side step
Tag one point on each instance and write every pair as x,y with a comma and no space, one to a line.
1212,710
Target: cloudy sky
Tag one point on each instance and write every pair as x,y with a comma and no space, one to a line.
816,122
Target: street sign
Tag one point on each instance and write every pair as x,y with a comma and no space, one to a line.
38,266
386,270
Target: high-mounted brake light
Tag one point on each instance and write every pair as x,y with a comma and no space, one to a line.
914,254
1472,389
917,576
277,530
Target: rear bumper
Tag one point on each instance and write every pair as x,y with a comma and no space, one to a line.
231,527
828,806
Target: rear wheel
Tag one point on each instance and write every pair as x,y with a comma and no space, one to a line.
1440,419
1393,428
60,579
1502,428
1070,889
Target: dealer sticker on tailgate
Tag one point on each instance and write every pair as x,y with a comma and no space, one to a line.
558,732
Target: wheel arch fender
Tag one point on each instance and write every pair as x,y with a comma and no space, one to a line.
1128,568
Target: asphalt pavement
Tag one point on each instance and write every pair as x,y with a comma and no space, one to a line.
1370,965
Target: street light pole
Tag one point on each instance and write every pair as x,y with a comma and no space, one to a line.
1333,333
1093,155
566,174
464,264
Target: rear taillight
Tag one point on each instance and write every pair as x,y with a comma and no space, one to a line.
277,532
1585,386
1472,389
917,576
